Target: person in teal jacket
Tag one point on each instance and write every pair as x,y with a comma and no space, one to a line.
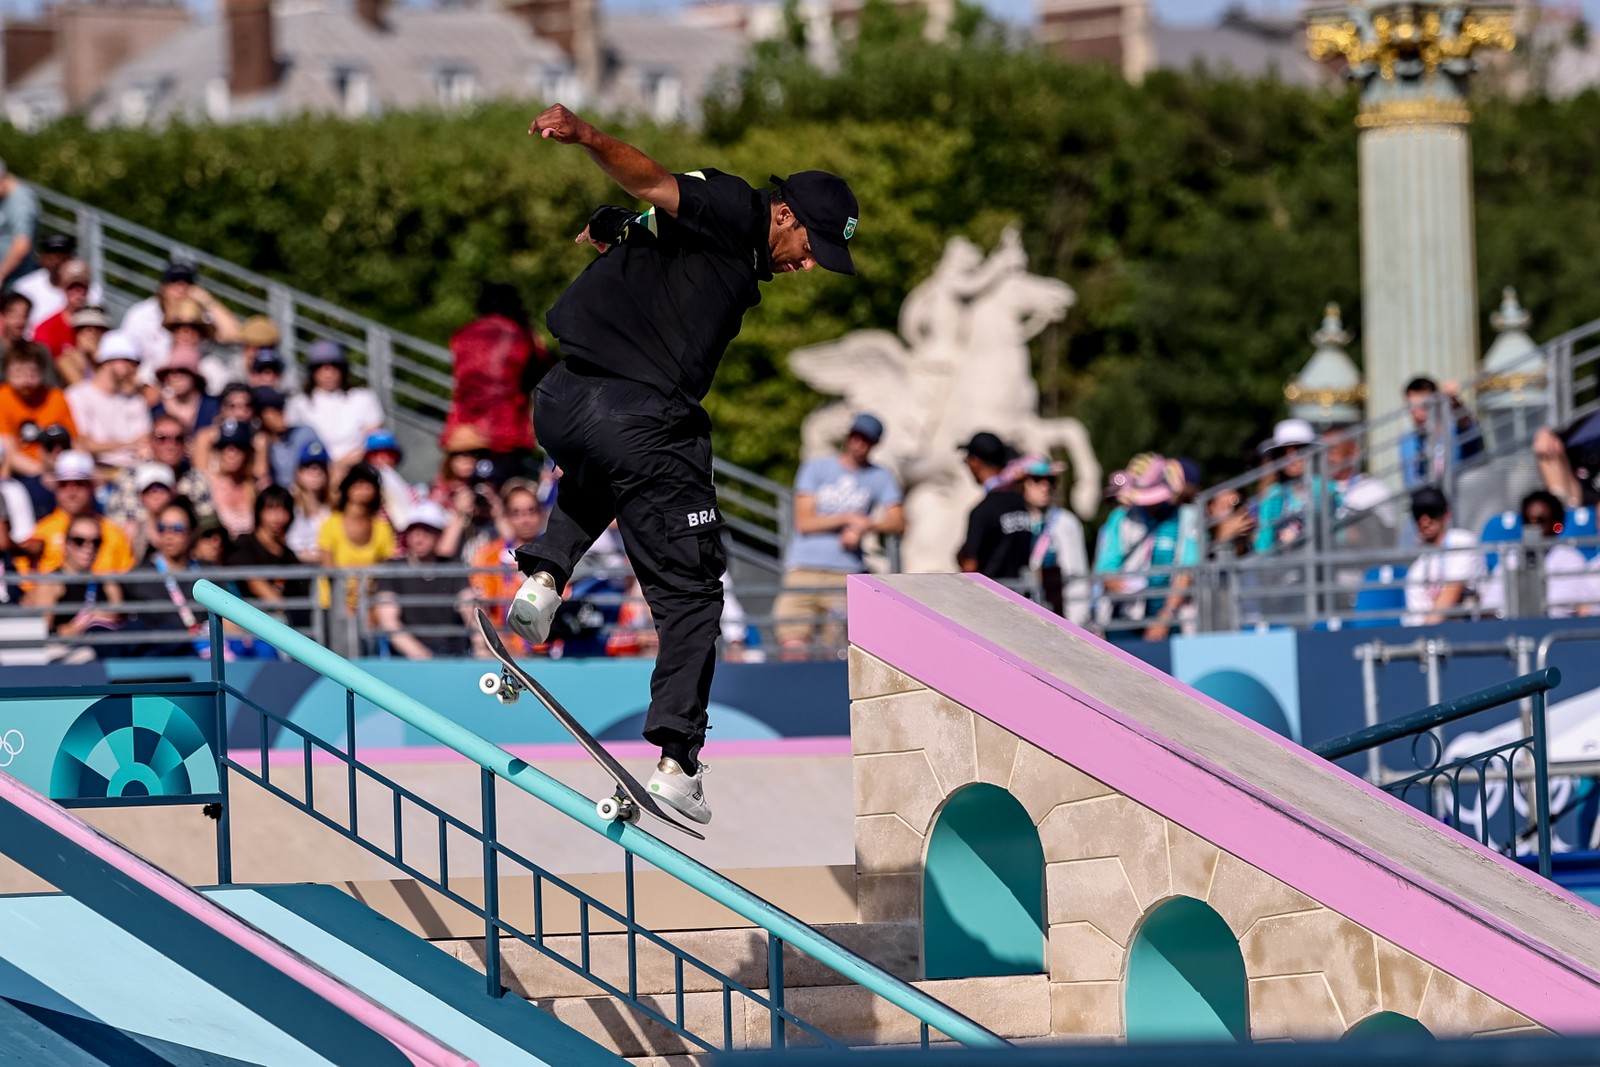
1286,508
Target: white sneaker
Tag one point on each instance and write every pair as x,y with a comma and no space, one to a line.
682,792
532,611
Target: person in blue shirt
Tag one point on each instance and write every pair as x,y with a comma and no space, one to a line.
1422,449
838,500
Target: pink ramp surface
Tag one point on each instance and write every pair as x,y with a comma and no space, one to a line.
1337,839
419,1047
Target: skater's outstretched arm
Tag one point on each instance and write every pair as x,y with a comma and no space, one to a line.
624,164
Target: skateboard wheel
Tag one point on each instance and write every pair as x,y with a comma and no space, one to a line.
608,809
631,816
508,695
489,684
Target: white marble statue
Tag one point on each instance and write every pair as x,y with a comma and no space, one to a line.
959,365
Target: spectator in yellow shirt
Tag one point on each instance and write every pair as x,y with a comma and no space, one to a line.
355,535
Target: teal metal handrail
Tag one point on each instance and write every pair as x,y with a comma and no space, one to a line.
502,764
1473,770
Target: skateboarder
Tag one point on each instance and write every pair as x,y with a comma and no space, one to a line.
644,327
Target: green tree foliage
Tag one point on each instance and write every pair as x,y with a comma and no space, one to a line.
1203,220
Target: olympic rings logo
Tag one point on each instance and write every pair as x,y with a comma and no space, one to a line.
10,746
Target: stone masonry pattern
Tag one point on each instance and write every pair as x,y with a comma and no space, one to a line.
1313,974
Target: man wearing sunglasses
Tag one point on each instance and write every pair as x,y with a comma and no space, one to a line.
75,486
1447,574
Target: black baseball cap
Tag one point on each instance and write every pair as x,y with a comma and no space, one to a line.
266,397
1429,501
59,243
988,448
827,209
179,270
266,359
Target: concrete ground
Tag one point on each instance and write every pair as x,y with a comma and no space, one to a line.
770,811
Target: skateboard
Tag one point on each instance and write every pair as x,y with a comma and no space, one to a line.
511,681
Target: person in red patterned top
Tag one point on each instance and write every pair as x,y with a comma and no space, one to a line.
498,361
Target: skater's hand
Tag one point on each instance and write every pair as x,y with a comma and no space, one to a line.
558,124
584,238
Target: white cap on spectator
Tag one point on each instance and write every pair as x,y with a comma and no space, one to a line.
118,344
1289,433
74,466
150,474
427,513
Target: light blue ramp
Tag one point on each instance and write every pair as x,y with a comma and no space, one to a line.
420,983
76,988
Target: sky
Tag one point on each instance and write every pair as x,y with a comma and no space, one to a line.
1172,12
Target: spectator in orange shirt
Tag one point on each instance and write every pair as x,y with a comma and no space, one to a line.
524,518
27,406
75,485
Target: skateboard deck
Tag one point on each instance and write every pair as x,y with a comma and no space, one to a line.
631,797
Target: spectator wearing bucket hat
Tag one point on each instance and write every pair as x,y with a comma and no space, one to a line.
424,614
113,423
183,390
341,414
999,537
149,319
838,500
1289,504
89,327
1141,542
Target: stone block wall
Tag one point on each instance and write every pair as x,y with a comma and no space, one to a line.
1110,861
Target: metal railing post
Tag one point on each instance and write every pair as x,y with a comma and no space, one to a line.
281,309
775,987
491,887
91,242
380,360
219,680
1541,783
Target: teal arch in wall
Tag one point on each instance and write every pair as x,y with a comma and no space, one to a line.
1186,979
1387,1024
983,888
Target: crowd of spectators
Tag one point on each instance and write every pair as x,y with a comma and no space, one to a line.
142,453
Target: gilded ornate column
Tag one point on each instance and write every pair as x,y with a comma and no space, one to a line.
1418,257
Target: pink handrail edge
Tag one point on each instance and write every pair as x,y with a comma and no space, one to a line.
418,1046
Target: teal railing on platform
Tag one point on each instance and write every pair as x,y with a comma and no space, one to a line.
496,763
1452,790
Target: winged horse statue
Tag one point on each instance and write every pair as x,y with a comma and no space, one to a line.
959,364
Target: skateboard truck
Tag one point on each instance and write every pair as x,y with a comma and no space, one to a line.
617,808
500,685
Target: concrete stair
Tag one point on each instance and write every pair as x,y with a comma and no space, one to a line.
1014,1006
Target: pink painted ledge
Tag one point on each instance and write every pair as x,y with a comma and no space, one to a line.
561,752
1431,921
416,1045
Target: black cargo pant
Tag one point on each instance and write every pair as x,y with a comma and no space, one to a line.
629,453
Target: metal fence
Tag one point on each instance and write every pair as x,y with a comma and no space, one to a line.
1458,791
154,624
463,859
411,376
